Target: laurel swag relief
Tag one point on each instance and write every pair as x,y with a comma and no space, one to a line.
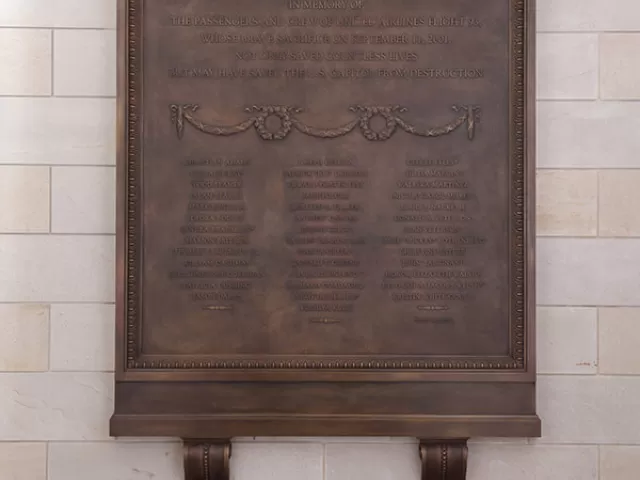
466,115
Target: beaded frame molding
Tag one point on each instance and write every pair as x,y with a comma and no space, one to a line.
517,357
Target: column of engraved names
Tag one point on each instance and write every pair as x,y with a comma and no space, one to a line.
435,237
217,264
325,202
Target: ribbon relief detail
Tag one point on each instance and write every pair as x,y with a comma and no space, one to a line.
288,119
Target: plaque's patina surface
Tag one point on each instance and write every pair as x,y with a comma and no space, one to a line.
326,218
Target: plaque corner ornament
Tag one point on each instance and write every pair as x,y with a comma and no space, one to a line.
288,117
207,459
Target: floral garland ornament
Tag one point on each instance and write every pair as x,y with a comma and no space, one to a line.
468,115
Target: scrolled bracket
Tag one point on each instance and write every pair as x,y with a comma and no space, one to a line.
207,459
443,459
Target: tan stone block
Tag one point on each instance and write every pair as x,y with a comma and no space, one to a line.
619,203
277,461
619,463
588,15
57,268
24,342
529,462
55,406
588,272
567,340
82,337
619,336
115,461
567,66
588,409
565,15
57,131
381,461
619,66
25,61
588,134
567,202
85,62
24,197
83,200
23,461
58,13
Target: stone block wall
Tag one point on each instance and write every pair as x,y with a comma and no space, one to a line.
57,155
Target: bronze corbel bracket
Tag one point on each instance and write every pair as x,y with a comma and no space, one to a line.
207,459
443,459
440,459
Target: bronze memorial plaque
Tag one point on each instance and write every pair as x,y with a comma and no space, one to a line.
326,219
